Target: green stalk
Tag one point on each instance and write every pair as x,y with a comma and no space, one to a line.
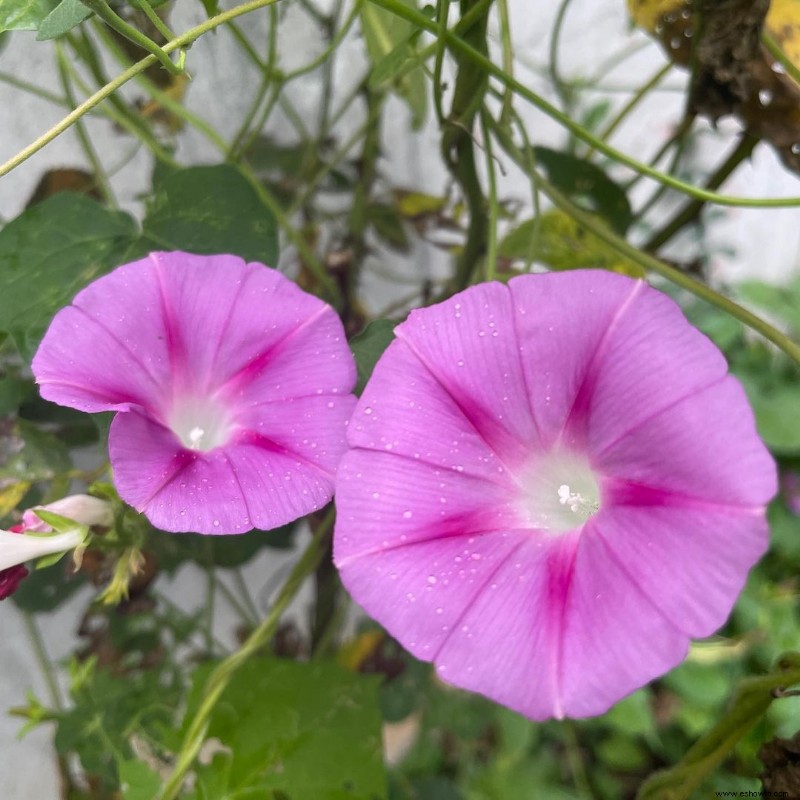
182,41
113,20
225,670
488,67
648,262
99,172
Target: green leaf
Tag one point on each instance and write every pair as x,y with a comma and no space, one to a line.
47,589
51,251
174,549
587,185
31,454
288,729
775,398
24,15
138,781
559,242
390,43
209,210
63,18
368,347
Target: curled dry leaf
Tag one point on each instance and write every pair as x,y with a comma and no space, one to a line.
733,71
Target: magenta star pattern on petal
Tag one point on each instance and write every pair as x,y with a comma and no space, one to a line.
233,388
553,485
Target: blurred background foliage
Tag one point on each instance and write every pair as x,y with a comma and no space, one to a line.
331,708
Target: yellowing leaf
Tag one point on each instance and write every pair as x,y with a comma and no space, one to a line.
418,204
783,24
11,495
647,13
560,243
353,654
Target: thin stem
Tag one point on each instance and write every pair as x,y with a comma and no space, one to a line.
106,91
692,210
247,618
507,46
490,68
113,20
43,659
98,171
161,97
31,88
247,598
553,66
208,627
775,51
650,263
634,101
224,671
491,242
155,20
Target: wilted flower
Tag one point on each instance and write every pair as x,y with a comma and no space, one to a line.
553,486
233,387
34,538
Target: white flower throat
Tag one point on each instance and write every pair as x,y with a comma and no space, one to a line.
560,492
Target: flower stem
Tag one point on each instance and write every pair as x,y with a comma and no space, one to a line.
224,671
43,659
650,263
488,67
753,698
140,66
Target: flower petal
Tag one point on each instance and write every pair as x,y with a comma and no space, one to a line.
404,403
385,500
691,563
561,320
101,353
286,462
614,640
179,490
421,591
651,360
469,345
17,548
682,452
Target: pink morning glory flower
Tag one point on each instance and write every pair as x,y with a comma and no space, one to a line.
232,387
553,485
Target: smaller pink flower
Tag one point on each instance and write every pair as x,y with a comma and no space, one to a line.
232,387
34,538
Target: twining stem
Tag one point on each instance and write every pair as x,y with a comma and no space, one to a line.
224,671
113,20
106,91
98,171
595,225
753,698
458,146
488,67
692,209
42,659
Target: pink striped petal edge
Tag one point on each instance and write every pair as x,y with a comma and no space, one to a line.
232,386
552,486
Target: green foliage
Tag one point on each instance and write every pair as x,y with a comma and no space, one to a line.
391,44
368,347
587,185
57,246
63,18
24,15
175,549
210,210
285,729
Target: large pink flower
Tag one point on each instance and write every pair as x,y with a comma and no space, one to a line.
553,485
233,387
